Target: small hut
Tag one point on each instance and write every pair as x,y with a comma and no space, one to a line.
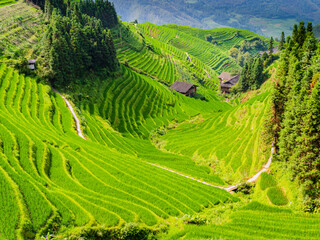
227,85
224,76
187,89
31,64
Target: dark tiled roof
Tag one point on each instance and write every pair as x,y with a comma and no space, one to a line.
231,82
225,76
182,87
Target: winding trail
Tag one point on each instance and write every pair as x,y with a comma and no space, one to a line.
208,75
232,187
76,119
229,189
189,58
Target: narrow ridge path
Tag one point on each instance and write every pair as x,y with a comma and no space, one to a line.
208,75
189,58
76,119
232,187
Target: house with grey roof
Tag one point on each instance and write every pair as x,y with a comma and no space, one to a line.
187,89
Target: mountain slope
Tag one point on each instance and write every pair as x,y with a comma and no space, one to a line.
264,17
152,159
66,180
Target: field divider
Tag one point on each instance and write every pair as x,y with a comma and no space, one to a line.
229,188
73,114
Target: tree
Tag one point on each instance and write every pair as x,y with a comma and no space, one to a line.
301,34
309,50
257,74
243,81
296,112
309,29
295,33
282,41
271,42
75,45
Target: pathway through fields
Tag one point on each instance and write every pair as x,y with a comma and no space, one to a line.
73,114
232,187
207,73
229,189
189,58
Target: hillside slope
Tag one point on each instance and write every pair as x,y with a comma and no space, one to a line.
152,159
263,17
57,178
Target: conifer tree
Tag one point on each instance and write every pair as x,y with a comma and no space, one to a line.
271,42
257,74
74,45
243,81
296,112
309,29
301,34
295,33
282,41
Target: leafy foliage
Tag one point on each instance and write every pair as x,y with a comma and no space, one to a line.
100,9
74,45
295,110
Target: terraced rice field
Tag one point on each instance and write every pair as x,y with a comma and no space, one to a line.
225,38
19,28
257,221
209,140
206,52
164,62
56,177
135,104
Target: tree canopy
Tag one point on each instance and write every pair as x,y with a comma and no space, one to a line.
296,111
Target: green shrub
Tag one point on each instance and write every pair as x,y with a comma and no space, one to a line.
267,181
276,196
194,219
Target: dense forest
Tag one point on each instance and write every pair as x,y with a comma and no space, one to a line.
252,74
77,40
295,112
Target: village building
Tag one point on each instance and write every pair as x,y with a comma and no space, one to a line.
31,64
187,89
224,76
230,82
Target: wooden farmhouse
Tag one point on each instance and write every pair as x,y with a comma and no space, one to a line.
31,64
224,76
187,89
227,81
